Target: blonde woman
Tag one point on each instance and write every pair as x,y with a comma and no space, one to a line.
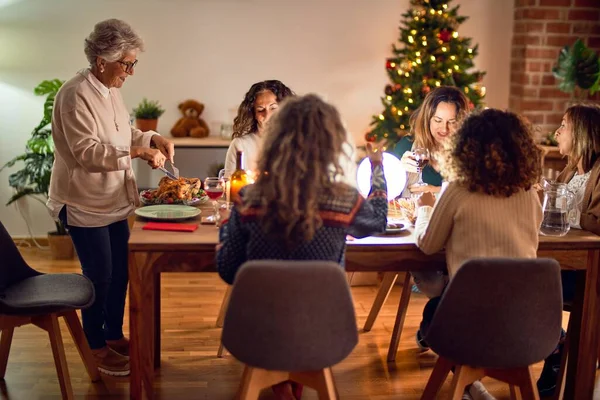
298,209
431,124
578,138
92,188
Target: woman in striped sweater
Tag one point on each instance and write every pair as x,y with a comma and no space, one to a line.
299,208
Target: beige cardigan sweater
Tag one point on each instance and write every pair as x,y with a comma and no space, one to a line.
92,171
472,225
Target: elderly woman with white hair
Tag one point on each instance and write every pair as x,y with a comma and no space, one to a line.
93,189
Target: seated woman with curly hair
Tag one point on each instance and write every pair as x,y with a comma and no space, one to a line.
299,208
489,208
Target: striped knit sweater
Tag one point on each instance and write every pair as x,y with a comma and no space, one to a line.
472,225
243,238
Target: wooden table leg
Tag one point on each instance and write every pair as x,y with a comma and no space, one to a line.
141,293
157,328
387,283
583,352
400,316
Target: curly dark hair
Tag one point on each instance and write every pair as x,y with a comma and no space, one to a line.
299,162
493,152
245,122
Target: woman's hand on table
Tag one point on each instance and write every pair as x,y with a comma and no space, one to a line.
424,189
426,199
154,157
166,147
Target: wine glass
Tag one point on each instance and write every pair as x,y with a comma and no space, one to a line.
421,155
214,188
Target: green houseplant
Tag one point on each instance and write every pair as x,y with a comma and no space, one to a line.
578,70
34,178
147,114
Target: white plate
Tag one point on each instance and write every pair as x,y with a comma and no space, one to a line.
400,226
167,212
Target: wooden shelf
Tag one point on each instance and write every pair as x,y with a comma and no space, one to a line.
211,142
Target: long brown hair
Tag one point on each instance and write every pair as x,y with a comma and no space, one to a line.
585,123
421,117
299,163
245,122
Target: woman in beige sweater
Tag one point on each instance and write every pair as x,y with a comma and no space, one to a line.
489,208
92,188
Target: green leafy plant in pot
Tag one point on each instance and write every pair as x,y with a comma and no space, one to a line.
578,70
33,179
147,114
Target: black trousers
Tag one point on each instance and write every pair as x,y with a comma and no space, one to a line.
103,255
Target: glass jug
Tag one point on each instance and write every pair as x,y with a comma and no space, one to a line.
558,201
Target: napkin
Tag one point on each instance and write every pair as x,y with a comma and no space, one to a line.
170,226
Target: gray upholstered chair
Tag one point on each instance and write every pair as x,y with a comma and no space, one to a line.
290,320
496,318
30,297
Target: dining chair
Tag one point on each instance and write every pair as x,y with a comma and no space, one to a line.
30,297
497,318
290,320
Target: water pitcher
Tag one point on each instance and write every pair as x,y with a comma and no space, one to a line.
558,201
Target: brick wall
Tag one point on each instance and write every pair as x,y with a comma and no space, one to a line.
541,29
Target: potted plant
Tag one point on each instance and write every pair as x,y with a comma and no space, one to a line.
147,114
34,178
578,70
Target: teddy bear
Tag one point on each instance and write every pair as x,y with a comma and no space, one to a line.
190,124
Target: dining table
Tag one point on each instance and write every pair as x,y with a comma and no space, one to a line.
154,252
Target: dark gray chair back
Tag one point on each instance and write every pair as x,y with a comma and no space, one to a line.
26,292
499,313
290,315
13,267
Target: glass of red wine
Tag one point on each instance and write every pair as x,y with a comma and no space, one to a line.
421,155
214,188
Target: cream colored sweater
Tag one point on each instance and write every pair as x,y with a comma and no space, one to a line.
92,171
472,225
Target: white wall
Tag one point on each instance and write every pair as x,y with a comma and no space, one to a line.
213,50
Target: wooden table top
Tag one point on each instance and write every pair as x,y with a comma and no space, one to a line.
205,238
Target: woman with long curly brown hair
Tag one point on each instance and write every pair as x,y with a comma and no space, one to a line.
490,208
259,104
298,208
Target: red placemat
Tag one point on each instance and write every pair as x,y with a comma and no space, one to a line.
170,226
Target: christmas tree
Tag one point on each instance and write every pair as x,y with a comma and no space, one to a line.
433,54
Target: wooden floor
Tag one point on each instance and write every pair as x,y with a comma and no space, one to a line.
190,369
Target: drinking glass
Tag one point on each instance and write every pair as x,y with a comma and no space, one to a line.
421,155
214,188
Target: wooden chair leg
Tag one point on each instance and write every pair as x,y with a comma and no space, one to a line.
400,316
328,390
50,324
82,345
389,278
322,381
463,376
438,376
528,387
5,343
223,308
254,380
515,393
222,351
